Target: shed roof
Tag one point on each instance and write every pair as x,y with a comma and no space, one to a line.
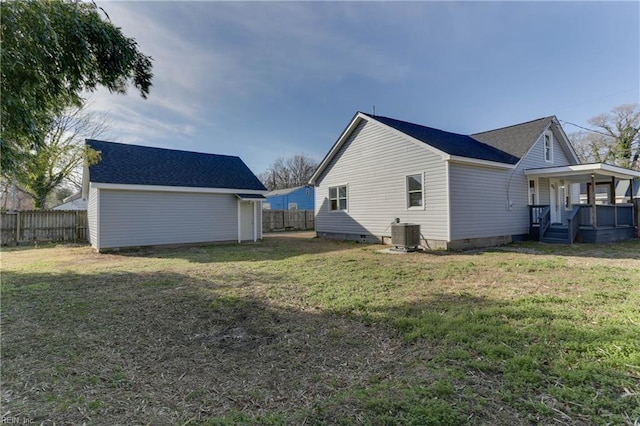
451,143
142,165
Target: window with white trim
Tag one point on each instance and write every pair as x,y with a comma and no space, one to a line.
548,147
532,192
338,198
415,196
293,206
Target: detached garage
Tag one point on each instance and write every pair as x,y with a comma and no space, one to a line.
144,196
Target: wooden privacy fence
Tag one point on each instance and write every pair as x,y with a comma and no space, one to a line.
44,225
280,220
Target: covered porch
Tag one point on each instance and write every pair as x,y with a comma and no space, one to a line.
579,203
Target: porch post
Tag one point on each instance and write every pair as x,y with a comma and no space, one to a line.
613,201
594,216
612,196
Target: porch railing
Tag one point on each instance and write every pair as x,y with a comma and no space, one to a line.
540,217
607,215
573,222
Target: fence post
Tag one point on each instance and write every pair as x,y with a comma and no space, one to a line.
18,227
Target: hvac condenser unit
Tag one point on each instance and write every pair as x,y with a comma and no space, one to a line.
405,236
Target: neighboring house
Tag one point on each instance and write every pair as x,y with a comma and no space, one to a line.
298,198
143,196
73,202
463,190
13,198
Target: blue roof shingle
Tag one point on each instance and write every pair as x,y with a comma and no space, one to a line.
450,143
141,165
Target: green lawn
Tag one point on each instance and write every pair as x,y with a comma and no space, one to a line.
307,331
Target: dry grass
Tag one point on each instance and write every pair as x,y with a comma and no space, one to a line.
305,331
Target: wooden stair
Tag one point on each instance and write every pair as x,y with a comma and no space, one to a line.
556,234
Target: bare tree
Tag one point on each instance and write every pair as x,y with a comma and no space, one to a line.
614,139
288,172
58,159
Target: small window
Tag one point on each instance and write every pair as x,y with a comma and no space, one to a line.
266,206
414,191
532,192
548,148
293,206
338,198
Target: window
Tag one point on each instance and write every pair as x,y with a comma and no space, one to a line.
414,191
266,206
338,197
548,148
293,206
532,192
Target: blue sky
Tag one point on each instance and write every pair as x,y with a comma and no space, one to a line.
267,79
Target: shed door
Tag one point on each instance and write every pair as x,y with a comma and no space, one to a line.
247,221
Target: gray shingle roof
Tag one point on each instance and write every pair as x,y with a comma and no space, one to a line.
141,165
517,139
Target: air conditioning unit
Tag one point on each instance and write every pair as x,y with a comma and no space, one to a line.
405,236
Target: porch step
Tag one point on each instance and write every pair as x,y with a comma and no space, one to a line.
556,235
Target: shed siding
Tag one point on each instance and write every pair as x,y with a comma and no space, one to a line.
489,202
92,217
374,163
139,218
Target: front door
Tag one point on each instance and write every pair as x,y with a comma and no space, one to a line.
557,194
556,214
247,221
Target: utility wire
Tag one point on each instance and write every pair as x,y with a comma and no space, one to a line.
587,129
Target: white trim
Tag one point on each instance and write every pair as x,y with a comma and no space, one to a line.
160,188
98,221
346,185
448,184
580,169
255,221
239,204
536,191
406,192
547,136
355,121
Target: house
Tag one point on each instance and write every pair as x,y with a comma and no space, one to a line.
464,191
144,196
298,198
73,202
13,198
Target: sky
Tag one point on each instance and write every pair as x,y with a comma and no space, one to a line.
262,80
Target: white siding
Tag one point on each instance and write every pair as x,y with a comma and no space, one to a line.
491,202
480,200
92,217
139,218
374,163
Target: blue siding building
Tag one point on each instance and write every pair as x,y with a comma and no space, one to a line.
298,198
